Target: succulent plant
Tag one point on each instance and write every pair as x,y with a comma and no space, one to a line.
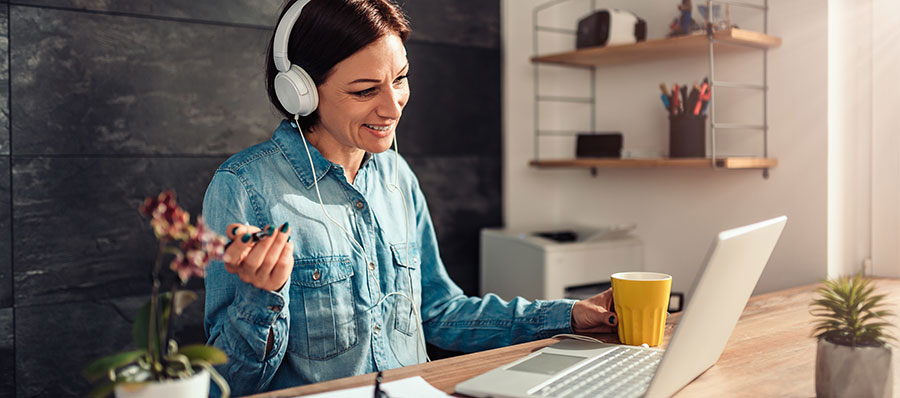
850,313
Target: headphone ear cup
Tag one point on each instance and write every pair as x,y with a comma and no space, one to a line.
296,91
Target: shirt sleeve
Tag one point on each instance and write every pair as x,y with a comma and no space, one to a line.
454,321
238,315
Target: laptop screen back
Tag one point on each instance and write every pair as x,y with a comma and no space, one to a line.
734,265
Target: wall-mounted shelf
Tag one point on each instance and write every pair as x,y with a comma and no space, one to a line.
671,163
709,41
668,48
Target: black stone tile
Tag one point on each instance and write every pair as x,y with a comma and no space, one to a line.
7,354
464,196
51,365
460,22
6,285
4,79
454,105
254,12
101,84
79,235
470,23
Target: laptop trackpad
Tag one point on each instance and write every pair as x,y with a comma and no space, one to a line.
547,364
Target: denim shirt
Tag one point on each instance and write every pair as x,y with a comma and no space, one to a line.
326,320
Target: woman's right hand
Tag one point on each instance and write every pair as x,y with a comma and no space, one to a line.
266,264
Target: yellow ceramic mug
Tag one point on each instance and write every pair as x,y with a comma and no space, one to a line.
642,303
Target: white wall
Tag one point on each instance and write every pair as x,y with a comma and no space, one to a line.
849,135
679,211
885,140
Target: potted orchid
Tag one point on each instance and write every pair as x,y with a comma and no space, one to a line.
853,358
158,366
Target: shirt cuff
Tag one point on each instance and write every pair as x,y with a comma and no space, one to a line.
557,315
260,306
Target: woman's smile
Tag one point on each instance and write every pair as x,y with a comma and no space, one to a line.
379,130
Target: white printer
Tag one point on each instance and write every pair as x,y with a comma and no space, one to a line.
522,263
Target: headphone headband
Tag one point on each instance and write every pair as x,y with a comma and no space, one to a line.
283,33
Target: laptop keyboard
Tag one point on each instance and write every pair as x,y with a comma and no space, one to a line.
623,372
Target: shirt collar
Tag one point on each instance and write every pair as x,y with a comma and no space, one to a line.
291,143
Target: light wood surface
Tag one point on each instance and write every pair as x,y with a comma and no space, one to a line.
732,39
770,354
674,163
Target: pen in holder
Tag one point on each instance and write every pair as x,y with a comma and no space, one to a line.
687,136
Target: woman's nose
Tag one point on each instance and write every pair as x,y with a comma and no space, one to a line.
391,103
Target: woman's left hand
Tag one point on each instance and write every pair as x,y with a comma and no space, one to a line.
595,315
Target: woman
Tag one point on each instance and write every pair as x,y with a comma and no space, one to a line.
345,277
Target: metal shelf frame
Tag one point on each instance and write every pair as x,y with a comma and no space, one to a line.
538,98
713,83
714,126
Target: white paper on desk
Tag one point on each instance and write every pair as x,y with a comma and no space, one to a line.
412,387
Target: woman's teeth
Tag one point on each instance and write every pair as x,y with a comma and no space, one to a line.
379,128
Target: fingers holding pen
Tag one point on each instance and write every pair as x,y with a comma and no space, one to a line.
260,257
239,245
282,270
273,254
257,267
259,245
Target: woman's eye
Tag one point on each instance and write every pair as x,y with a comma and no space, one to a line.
400,79
365,93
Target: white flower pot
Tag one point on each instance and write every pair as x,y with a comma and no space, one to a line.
860,372
196,386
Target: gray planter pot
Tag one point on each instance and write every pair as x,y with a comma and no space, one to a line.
863,372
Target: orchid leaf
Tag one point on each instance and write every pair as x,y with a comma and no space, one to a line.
206,353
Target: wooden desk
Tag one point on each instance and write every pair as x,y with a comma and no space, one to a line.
770,354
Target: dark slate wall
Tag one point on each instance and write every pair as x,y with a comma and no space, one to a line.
104,102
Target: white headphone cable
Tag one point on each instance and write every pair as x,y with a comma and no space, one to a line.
395,187
420,341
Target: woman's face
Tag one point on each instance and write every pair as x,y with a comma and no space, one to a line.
362,99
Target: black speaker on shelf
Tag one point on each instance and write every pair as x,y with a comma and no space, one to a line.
602,145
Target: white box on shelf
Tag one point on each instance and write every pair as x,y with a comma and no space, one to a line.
519,263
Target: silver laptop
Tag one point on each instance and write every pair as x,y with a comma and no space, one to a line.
573,368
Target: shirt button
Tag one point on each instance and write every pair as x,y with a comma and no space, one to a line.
275,308
359,204
371,266
316,275
377,329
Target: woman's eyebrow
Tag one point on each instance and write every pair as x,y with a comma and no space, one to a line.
370,80
365,81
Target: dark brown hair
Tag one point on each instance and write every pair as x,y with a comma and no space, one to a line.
329,31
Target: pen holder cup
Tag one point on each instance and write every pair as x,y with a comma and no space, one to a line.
687,136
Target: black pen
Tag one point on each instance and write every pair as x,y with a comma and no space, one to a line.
259,235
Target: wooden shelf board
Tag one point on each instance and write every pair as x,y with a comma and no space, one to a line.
672,163
691,45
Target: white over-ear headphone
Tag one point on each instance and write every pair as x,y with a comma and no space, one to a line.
295,90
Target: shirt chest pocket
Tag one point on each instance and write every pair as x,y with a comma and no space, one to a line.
407,270
323,317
